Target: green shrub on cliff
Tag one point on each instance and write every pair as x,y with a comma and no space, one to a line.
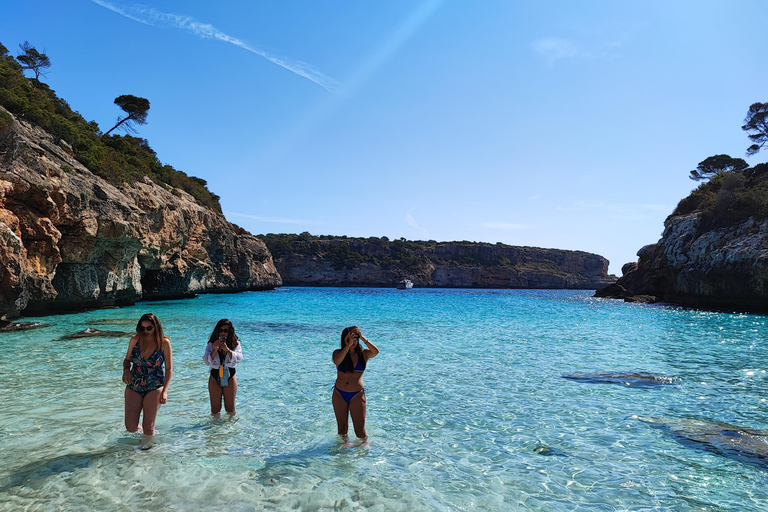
735,191
115,158
729,198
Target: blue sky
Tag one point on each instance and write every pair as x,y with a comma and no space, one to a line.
561,124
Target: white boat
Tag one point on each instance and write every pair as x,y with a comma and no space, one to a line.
405,284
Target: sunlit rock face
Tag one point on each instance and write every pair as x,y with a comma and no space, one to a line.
722,268
69,240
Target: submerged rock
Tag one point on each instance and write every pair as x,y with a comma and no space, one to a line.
6,326
89,332
548,451
633,379
740,443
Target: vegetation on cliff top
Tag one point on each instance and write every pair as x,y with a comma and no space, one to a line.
735,191
408,256
729,197
117,159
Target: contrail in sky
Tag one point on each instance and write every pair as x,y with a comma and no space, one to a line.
153,17
412,222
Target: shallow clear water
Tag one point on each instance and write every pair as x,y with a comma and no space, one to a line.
466,390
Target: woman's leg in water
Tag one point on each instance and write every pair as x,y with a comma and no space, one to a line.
357,408
133,405
215,392
341,409
151,404
229,391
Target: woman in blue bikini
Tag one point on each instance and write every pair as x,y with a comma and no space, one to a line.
349,394
147,384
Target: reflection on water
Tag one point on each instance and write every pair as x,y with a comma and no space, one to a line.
467,406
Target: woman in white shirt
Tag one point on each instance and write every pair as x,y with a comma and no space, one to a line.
222,355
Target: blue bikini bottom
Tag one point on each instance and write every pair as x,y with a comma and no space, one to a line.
348,395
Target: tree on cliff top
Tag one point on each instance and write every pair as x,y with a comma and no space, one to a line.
756,125
137,109
32,59
716,164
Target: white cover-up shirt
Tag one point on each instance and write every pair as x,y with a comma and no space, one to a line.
230,361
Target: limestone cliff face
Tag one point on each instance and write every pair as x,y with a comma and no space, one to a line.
724,267
450,265
69,240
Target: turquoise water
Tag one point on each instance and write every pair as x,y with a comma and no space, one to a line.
467,386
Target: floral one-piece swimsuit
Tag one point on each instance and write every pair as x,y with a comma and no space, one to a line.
147,374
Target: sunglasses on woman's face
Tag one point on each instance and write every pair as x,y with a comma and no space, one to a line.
146,328
224,329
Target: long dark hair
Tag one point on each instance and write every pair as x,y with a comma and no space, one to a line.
346,365
232,339
157,332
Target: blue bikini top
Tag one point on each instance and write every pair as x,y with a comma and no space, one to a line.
358,367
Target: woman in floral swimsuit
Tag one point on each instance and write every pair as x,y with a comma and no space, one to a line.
147,384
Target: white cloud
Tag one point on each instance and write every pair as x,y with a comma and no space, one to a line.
623,206
153,17
505,226
555,49
273,220
659,207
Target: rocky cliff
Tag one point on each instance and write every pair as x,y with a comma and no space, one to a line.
379,262
69,240
713,251
719,268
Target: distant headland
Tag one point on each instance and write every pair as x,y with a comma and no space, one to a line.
307,260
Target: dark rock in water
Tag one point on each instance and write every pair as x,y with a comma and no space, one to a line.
548,451
94,333
632,379
744,444
6,326
642,299
613,291
617,291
